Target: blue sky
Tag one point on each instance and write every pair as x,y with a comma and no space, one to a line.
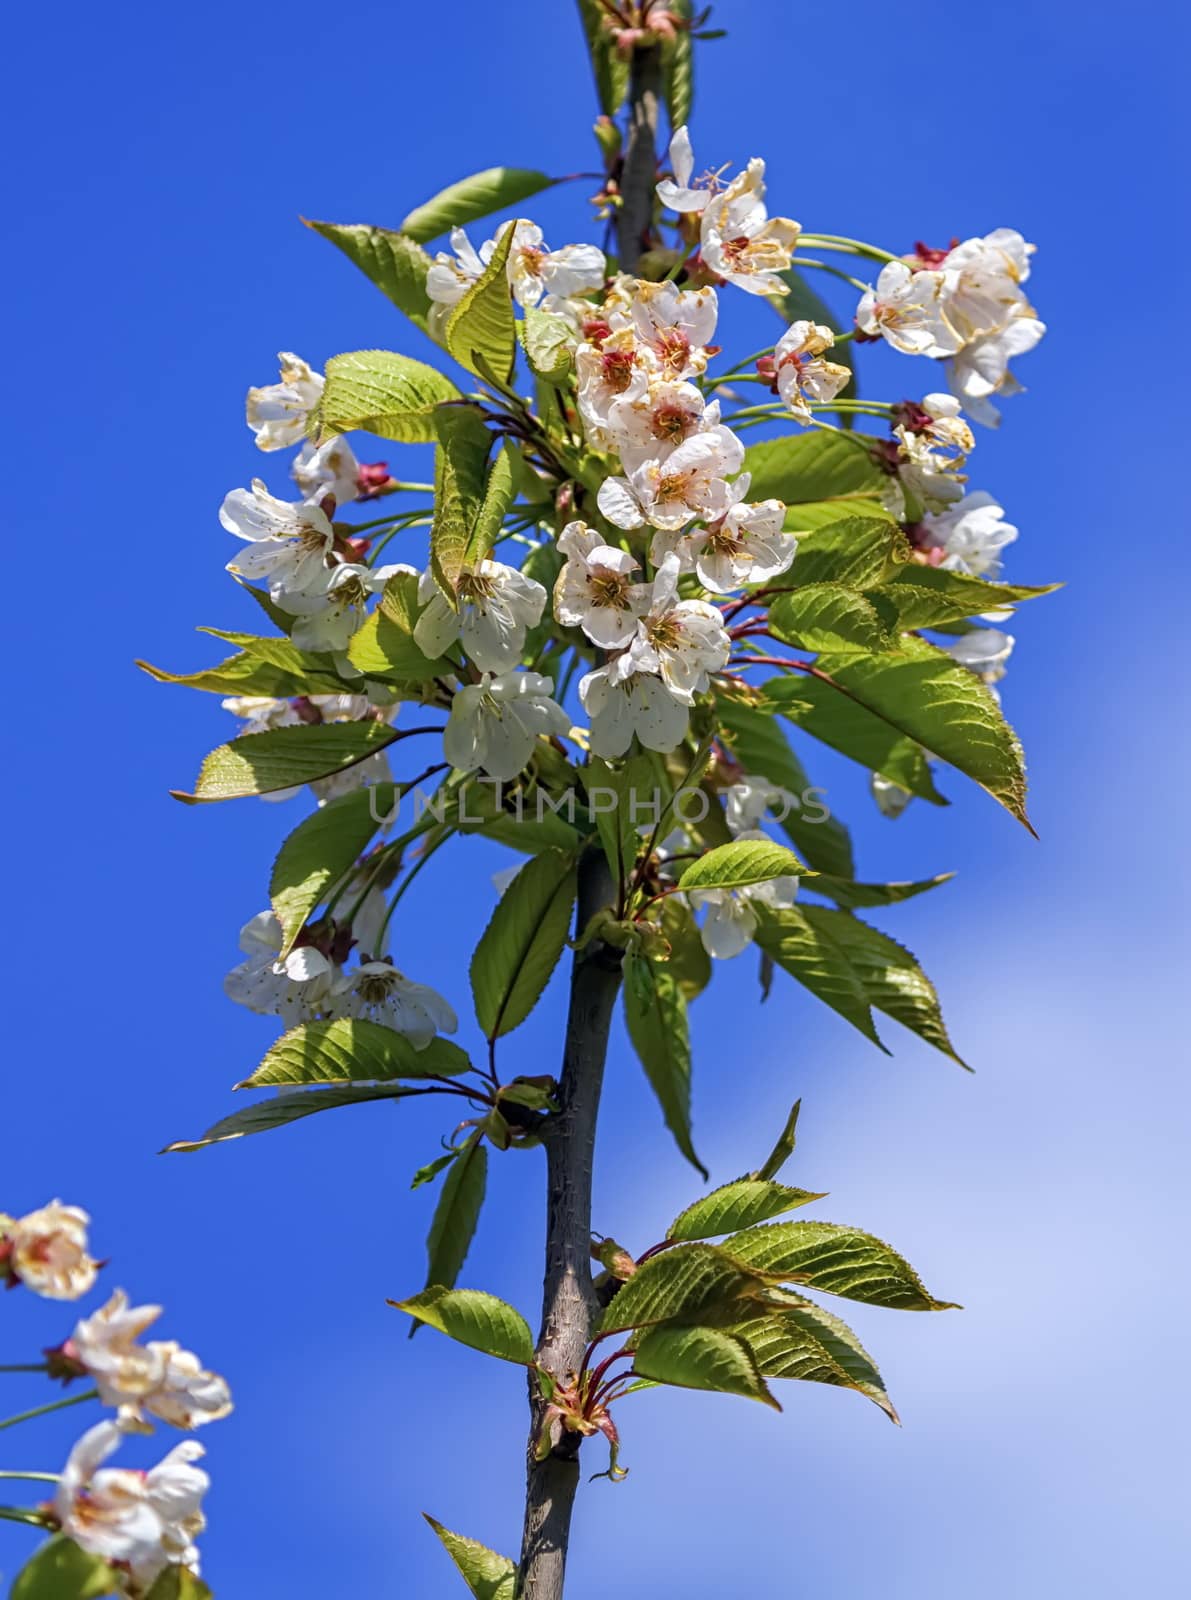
159,161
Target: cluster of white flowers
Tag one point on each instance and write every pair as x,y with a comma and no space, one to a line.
537,274
964,306
313,980
640,350
311,572
738,240
141,1522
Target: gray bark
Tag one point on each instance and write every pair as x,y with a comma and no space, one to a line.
568,1303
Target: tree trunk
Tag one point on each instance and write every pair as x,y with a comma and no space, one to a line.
568,1307
635,219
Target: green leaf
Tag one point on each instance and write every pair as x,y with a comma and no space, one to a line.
350,1050
835,1260
460,479
455,1217
633,785
395,263
611,72
889,975
320,851
859,552
494,189
477,810
549,344
741,1204
481,332
473,1318
828,616
929,597
809,954
499,493
263,666
282,1109
701,1358
783,1149
431,1170
851,895
655,1015
824,711
684,1284
741,863
178,1583
285,758
802,1341
60,1570
383,393
385,645
813,467
759,744
688,963
487,1575
808,516
923,694
523,942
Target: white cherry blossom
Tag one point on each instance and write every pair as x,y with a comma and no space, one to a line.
925,477
618,369
495,724
377,992
287,543
678,193
451,276
296,989
981,369
750,800
731,921
905,309
890,797
682,641
278,413
327,469
800,371
158,1378
497,605
594,591
982,283
620,703
261,712
983,651
46,1250
970,535
746,545
327,615
535,270
651,426
670,493
740,241
143,1522
674,325
940,422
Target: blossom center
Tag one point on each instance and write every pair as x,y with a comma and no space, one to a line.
608,589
